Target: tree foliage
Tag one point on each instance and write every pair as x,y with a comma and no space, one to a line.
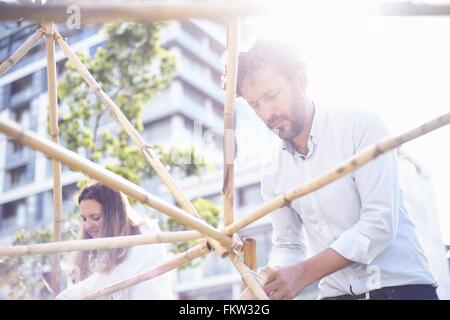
131,67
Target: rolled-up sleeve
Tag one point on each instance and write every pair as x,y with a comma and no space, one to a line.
377,185
288,245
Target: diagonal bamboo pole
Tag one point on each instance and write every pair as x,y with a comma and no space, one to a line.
54,134
95,171
248,277
98,244
172,263
262,278
98,12
20,52
228,117
150,156
358,160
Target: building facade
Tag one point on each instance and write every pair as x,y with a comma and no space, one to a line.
188,112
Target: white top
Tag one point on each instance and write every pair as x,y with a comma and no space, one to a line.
139,259
362,216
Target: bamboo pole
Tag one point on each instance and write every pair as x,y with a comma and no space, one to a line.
77,162
172,263
228,117
149,155
249,252
262,278
97,12
98,244
49,28
248,277
349,165
20,52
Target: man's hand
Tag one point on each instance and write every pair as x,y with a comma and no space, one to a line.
286,282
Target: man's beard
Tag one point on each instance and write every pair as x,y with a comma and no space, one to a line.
295,120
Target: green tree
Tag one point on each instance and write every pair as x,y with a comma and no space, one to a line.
131,68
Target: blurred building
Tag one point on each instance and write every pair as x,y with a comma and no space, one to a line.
188,111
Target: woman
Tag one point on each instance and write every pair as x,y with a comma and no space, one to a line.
105,213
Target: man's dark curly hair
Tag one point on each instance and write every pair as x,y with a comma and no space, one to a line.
279,55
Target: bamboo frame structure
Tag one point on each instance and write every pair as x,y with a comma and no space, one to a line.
149,155
262,278
101,243
49,28
172,263
248,277
358,160
228,118
225,241
77,162
20,52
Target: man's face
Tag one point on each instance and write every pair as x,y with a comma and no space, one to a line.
278,102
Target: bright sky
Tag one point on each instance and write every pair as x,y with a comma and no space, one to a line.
397,66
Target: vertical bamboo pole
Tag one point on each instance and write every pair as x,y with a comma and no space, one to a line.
249,253
149,155
228,117
20,52
54,133
249,250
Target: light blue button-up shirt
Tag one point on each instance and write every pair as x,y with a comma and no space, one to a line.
361,216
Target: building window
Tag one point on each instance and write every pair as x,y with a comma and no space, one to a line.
249,195
61,67
217,48
218,109
4,48
21,115
194,67
14,214
16,146
158,131
194,95
192,30
18,176
215,198
21,84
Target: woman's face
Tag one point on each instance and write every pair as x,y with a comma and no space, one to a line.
92,217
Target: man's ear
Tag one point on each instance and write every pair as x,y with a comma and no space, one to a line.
302,79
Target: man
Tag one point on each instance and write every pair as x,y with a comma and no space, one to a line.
362,239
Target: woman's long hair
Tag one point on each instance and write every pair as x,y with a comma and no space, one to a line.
115,223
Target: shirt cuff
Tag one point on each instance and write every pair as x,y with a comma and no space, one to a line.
353,246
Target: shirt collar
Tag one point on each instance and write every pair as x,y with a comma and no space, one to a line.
317,129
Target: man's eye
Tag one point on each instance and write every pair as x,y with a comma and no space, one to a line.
272,96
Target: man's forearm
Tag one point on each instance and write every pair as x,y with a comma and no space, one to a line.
323,264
